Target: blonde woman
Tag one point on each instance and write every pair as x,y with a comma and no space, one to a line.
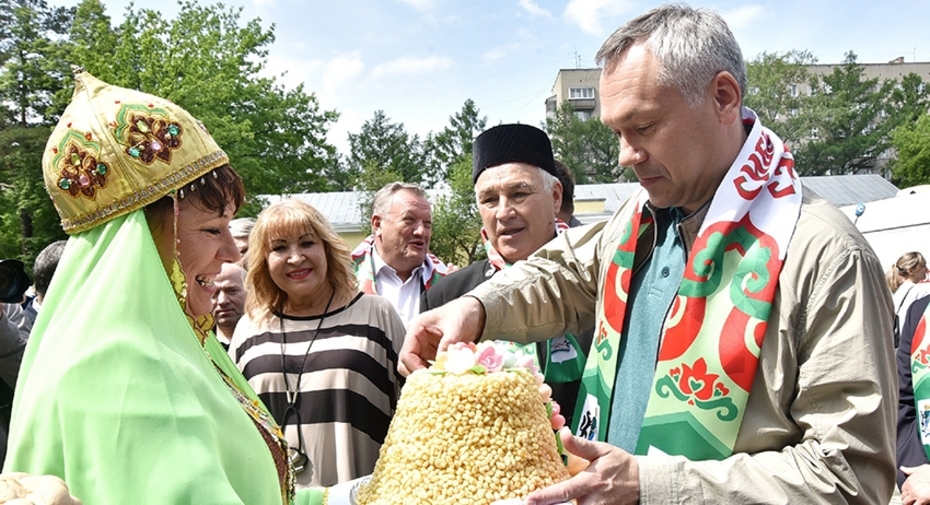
905,279
321,355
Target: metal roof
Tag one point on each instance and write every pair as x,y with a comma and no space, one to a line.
342,208
843,190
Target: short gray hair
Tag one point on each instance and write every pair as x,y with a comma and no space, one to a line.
692,45
381,204
548,181
241,227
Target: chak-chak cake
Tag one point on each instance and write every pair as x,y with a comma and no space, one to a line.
474,428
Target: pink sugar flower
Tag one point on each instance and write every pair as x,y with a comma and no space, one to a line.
488,357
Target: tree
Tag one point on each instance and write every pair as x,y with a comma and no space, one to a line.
30,55
386,146
454,143
208,62
850,134
909,101
912,142
587,147
456,222
775,81
28,221
31,72
369,181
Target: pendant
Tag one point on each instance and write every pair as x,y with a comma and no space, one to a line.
298,460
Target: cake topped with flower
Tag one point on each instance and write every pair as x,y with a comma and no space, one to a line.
476,427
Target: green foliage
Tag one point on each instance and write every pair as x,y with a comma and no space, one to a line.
456,222
31,72
454,143
30,54
208,62
386,146
850,134
775,83
587,147
912,141
28,220
370,180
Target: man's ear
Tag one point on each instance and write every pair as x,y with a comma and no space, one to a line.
557,196
727,97
376,225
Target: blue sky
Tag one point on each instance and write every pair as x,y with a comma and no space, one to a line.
419,60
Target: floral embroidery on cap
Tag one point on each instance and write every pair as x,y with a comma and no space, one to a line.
147,133
80,170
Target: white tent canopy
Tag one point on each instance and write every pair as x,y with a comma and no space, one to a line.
894,226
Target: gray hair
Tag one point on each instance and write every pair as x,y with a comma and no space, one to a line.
691,45
241,227
381,204
548,181
45,265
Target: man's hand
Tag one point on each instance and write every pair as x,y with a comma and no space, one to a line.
916,489
461,320
611,478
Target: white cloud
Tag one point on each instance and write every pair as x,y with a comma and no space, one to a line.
587,14
742,17
535,10
420,5
339,71
411,65
292,72
494,54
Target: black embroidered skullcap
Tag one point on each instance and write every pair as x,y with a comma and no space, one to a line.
512,143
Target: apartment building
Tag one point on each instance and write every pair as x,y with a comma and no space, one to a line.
579,86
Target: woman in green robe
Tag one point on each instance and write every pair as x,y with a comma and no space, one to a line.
124,391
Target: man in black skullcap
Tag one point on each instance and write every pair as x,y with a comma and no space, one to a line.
518,197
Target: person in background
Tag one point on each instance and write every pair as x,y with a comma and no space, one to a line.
241,228
394,261
44,268
14,333
518,198
567,209
906,280
124,392
913,441
741,349
320,354
228,301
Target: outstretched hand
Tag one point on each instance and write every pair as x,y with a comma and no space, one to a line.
612,477
916,489
461,320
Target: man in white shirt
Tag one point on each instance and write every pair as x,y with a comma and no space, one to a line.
394,261
228,301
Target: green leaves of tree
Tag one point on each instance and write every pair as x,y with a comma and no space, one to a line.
209,62
587,147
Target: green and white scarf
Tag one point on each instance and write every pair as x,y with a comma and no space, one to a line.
920,379
713,333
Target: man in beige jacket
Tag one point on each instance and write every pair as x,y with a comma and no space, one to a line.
741,349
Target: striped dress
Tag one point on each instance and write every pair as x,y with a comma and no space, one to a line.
349,385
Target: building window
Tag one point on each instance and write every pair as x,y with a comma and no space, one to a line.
580,93
815,133
583,115
793,89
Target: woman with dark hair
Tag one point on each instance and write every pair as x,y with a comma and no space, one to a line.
321,355
124,392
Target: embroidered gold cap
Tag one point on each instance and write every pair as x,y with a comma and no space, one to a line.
116,150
